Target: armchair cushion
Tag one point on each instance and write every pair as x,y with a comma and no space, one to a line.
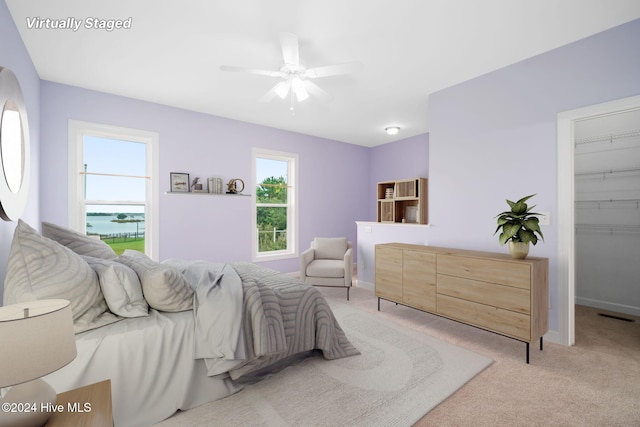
326,268
330,247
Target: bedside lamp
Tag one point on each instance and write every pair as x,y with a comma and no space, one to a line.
36,338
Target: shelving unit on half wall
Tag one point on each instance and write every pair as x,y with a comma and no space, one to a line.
403,201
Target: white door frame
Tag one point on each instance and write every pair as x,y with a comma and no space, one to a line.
566,207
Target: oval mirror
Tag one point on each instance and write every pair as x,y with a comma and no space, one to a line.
14,148
12,145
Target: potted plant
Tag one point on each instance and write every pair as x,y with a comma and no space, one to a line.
519,227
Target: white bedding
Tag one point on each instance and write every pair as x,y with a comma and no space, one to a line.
209,326
169,378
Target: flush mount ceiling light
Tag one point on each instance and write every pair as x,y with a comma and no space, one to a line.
392,130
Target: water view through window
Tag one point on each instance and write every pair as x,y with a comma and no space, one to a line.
115,192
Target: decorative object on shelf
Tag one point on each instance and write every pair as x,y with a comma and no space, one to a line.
411,214
388,193
179,182
232,187
215,185
14,148
197,186
37,339
519,227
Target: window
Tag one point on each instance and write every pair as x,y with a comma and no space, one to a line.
112,185
275,219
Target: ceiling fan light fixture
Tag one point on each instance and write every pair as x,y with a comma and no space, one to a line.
282,89
392,130
298,88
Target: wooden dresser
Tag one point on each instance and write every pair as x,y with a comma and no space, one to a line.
487,290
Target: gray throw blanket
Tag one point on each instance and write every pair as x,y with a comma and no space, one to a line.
249,317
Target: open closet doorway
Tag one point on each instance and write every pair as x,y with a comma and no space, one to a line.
570,125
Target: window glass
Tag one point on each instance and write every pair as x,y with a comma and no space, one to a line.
275,205
114,176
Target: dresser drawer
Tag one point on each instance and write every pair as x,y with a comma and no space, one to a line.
495,319
495,271
507,297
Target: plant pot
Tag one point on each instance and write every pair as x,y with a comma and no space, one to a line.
518,250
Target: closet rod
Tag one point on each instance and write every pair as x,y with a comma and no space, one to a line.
609,228
621,203
609,201
609,172
608,138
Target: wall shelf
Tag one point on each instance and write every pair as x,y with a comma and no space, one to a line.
403,200
204,193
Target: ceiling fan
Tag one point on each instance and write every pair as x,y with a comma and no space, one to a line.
296,78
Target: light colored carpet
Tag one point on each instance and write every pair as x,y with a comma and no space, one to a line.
400,376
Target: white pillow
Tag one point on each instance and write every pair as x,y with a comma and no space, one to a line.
40,268
121,287
164,287
78,242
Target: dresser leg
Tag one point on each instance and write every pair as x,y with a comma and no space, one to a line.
378,303
541,343
527,353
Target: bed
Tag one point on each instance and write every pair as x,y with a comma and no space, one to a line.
170,335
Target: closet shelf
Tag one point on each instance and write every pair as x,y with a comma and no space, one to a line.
609,172
609,228
635,203
608,138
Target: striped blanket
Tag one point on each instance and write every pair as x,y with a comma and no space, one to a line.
249,317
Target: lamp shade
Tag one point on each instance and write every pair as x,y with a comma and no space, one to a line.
36,338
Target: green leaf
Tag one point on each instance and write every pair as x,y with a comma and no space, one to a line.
503,220
527,236
511,229
532,223
503,239
524,199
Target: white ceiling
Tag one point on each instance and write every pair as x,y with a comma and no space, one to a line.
409,49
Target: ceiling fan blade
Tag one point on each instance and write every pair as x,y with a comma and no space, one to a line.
267,97
251,71
316,91
334,70
289,45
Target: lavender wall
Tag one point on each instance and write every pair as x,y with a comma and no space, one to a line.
406,158
14,56
333,186
494,137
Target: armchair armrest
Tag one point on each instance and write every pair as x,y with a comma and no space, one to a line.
348,267
305,259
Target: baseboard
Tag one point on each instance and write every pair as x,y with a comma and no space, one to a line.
609,306
554,337
365,285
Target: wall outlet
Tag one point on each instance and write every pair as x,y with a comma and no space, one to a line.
545,218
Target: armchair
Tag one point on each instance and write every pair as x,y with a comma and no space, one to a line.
328,262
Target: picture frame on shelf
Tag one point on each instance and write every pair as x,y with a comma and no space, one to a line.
179,182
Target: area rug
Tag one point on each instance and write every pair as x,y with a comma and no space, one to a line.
400,376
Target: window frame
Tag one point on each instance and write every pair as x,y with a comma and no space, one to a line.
77,130
292,205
